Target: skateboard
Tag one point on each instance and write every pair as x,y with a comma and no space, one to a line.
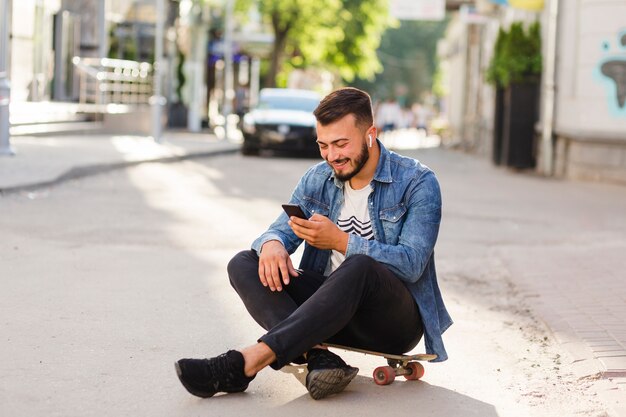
405,365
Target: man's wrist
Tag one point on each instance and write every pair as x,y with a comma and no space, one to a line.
343,243
266,242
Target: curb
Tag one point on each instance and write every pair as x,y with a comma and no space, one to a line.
84,171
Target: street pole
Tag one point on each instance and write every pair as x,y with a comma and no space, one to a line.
5,84
103,44
229,93
255,75
549,87
157,101
197,64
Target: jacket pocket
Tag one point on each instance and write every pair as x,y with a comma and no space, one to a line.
392,219
312,206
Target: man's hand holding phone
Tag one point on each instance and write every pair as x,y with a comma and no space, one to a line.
275,267
318,231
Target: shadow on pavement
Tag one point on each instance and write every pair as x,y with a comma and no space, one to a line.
405,396
362,398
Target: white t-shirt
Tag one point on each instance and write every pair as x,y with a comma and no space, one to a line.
354,218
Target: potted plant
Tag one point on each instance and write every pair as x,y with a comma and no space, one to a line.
516,69
496,72
177,116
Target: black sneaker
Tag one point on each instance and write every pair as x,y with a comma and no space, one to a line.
206,377
328,373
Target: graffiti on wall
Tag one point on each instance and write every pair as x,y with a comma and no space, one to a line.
611,71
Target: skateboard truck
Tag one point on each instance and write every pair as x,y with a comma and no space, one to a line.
404,365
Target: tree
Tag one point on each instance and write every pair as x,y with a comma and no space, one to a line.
294,23
497,70
355,37
339,35
408,56
517,55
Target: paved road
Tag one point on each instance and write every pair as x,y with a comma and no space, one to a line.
108,280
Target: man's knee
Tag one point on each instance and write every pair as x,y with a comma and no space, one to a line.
241,264
358,266
359,261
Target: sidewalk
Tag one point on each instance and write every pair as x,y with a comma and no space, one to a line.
46,161
561,244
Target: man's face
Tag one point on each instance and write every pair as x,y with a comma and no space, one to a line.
343,146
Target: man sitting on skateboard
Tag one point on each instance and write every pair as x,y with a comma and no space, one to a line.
367,276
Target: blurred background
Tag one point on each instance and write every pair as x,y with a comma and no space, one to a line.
529,84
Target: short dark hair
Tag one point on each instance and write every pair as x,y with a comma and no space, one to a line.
342,102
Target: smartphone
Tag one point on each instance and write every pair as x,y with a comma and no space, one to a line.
294,210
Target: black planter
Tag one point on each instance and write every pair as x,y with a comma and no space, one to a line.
498,124
521,109
177,115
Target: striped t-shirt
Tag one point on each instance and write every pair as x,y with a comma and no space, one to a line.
354,218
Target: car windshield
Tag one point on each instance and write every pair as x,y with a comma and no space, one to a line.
288,103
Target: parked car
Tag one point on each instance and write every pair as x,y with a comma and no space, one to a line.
282,121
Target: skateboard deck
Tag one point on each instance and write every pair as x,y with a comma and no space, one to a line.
405,365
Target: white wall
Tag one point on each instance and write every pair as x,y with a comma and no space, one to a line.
589,34
22,48
31,51
454,65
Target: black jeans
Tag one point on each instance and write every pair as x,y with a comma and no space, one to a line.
362,304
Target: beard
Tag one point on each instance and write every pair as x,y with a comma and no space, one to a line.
359,162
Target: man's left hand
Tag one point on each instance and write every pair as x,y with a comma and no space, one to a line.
320,232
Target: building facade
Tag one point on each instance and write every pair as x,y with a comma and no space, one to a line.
590,112
32,52
588,136
47,34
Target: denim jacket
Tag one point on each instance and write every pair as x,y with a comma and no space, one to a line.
405,209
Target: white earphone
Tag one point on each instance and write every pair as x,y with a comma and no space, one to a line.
370,140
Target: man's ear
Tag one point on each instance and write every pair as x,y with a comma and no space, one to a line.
373,131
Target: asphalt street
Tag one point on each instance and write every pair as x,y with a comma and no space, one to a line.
108,280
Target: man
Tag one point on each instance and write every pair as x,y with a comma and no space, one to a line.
389,115
421,117
367,276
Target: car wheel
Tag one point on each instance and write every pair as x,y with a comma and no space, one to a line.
249,151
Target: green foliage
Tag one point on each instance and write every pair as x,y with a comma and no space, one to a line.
361,24
517,56
338,35
408,55
180,75
534,39
497,68
121,48
439,88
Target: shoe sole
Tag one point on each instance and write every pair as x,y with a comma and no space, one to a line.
324,382
192,390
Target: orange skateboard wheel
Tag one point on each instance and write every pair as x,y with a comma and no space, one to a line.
384,375
417,371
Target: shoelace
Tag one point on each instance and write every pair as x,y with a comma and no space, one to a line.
220,368
326,359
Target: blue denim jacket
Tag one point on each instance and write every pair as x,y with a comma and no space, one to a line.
405,208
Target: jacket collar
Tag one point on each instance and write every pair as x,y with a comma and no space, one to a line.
383,169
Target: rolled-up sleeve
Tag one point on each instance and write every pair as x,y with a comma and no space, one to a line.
279,230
